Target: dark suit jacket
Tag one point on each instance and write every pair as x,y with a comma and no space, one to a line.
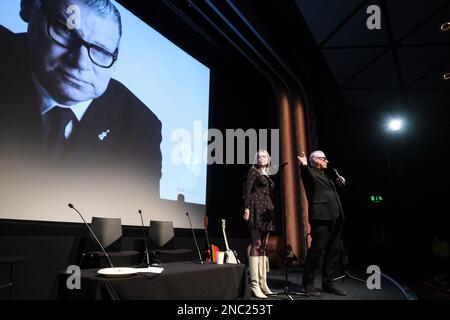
323,200
133,140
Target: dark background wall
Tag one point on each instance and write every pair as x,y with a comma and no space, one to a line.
408,169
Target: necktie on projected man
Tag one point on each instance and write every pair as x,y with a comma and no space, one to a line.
58,119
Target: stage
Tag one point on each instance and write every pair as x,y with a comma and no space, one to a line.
193,281
390,289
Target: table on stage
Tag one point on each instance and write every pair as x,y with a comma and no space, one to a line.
179,281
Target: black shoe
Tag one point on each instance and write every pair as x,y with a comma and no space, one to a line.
334,290
310,290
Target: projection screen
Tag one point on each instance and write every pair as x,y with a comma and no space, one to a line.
92,105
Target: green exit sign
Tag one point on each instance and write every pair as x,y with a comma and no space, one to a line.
376,199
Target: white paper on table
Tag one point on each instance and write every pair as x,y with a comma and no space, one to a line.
150,270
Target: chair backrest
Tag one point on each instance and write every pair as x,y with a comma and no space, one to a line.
107,230
161,234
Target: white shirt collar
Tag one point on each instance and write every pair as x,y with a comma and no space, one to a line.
47,102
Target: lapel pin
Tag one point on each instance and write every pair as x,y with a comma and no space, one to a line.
103,135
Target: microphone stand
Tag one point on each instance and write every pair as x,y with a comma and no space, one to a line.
93,234
287,291
346,274
147,258
344,253
195,239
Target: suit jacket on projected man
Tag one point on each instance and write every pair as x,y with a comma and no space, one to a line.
117,130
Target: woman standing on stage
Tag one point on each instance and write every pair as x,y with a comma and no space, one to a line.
259,212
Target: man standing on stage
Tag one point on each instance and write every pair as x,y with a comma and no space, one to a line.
326,218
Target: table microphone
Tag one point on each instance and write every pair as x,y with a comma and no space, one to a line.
195,239
147,258
93,234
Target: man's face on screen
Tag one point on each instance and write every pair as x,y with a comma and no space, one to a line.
59,55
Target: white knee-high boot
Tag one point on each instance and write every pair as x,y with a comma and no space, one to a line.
263,260
253,263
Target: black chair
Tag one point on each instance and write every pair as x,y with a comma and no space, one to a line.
10,259
161,243
109,234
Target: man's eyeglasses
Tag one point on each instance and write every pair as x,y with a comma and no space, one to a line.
322,158
62,35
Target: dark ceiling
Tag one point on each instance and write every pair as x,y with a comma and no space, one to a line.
399,66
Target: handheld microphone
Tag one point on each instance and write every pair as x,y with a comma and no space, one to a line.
147,258
195,239
93,234
341,178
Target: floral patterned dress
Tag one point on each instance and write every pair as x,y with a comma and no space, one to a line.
258,189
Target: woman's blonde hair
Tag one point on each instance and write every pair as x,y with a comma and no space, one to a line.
255,160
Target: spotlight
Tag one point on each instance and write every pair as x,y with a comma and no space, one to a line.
445,26
395,124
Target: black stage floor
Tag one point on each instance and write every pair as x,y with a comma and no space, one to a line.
356,290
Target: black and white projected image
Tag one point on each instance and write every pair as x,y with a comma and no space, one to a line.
89,98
